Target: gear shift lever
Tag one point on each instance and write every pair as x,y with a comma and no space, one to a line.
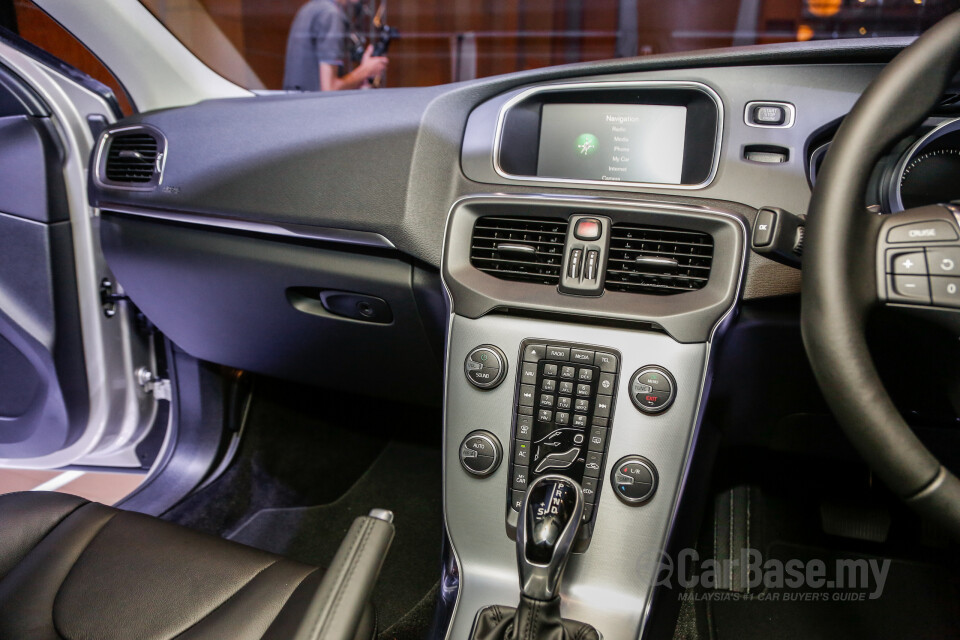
548,523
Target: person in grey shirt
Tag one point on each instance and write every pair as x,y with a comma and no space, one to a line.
317,50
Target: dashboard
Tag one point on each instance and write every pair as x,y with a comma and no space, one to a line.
553,255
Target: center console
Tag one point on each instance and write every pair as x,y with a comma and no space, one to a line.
563,373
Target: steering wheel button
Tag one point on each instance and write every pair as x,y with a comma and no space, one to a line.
912,289
944,261
946,291
932,231
907,263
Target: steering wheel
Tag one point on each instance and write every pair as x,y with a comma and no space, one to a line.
847,271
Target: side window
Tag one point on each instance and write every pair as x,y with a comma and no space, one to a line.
28,21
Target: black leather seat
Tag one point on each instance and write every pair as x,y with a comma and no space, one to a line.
76,570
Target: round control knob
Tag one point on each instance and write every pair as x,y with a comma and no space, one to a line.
480,453
485,367
652,389
634,479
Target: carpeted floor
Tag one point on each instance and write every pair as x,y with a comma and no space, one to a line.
309,463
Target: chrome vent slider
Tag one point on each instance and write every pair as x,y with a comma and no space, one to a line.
131,157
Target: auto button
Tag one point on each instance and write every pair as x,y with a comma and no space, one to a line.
480,453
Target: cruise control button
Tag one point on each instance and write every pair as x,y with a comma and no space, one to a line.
527,392
932,231
946,291
582,356
943,262
606,361
558,353
913,262
915,289
534,352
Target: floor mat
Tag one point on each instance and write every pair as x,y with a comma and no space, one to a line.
918,601
310,461
406,479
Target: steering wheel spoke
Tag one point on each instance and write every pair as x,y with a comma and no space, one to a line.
918,258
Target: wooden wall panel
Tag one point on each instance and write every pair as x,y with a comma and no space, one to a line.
37,27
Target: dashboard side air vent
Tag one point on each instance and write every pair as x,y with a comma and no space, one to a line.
658,260
523,249
131,158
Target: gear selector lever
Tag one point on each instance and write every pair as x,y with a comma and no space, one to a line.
549,518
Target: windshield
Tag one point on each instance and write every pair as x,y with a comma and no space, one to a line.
311,45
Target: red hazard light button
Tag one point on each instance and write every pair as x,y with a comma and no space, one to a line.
588,229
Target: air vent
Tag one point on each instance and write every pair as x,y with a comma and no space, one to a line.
133,159
524,249
658,260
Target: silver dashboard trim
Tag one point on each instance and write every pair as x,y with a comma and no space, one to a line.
721,324
100,160
945,127
326,234
612,84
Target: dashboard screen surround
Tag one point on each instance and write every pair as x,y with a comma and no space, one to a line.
516,154
613,142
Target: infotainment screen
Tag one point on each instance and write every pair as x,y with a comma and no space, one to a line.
612,142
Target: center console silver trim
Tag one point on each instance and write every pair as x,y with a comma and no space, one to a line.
721,324
612,84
